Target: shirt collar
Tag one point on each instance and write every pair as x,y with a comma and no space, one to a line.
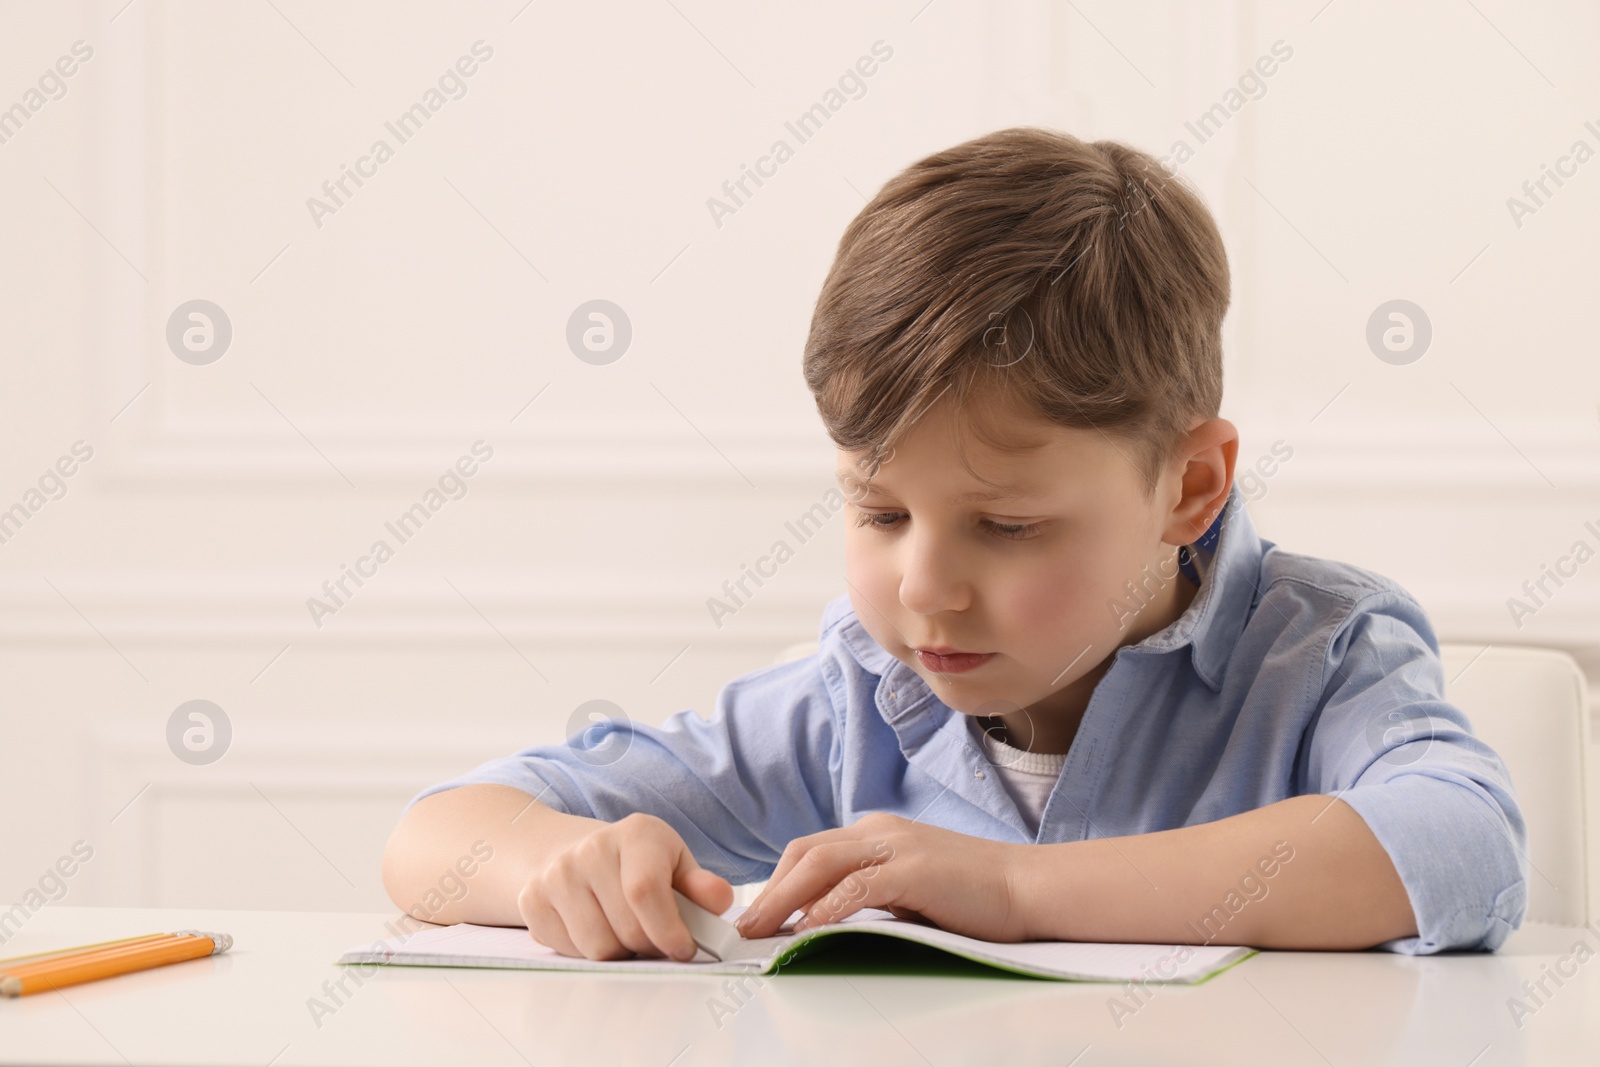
1211,625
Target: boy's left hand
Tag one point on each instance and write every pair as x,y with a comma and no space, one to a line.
967,885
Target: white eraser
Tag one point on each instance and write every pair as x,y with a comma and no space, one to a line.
711,932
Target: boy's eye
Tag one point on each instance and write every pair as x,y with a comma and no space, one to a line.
1016,530
888,520
870,518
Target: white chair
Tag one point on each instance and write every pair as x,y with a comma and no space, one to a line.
1531,706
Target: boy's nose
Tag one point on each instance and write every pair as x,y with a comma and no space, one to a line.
932,578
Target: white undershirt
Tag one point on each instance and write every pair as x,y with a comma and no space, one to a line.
1027,776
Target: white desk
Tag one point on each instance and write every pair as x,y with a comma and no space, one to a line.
250,1007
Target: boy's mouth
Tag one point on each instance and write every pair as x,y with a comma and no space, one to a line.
950,661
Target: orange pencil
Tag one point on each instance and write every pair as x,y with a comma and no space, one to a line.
58,971
75,950
89,953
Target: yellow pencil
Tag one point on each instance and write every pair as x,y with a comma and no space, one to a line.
135,955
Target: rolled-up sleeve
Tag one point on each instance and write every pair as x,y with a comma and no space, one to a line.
737,787
1438,799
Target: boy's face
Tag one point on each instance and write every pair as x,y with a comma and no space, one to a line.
1033,579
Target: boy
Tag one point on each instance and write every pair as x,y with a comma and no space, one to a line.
1070,694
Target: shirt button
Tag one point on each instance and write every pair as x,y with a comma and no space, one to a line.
977,774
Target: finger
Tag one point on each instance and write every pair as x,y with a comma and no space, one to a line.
853,892
797,849
709,890
793,854
819,870
620,915
545,925
586,924
646,885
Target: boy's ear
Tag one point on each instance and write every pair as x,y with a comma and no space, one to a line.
1203,469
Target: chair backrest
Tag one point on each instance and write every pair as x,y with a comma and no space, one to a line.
1531,706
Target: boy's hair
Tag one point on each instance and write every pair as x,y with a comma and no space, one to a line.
1082,279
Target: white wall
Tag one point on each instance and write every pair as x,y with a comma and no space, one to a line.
369,352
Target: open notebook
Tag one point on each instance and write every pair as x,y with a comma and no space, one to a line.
466,945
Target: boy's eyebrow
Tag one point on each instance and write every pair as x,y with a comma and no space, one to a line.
853,484
1000,493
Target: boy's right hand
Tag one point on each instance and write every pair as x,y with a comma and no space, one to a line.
609,895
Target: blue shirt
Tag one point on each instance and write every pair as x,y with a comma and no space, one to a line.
1287,675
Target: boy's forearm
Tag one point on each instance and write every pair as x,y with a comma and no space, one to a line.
491,830
1208,884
